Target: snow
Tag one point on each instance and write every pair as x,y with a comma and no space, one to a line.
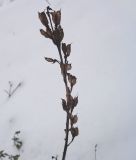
103,40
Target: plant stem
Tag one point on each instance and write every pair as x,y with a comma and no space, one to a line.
59,50
67,116
48,13
66,138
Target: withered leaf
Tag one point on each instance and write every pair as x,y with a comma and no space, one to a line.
43,18
50,60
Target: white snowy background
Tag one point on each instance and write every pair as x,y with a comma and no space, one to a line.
103,37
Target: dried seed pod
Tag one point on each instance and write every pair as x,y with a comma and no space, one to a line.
43,18
68,67
72,80
56,17
69,77
58,35
68,49
74,131
64,105
74,119
46,34
64,48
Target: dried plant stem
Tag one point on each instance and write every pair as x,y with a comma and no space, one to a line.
51,20
11,91
67,117
66,138
59,50
95,150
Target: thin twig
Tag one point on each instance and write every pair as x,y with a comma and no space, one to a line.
12,91
71,141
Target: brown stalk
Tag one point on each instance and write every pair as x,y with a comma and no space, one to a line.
55,33
67,118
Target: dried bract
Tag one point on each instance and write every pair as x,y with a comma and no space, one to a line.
64,48
43,18
56,17
46,34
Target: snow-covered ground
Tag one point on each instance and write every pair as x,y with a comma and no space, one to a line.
103,38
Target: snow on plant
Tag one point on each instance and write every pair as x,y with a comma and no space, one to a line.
16,140
17,143
52,22
3,155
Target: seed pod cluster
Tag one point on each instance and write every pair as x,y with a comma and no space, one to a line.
52,22
53,31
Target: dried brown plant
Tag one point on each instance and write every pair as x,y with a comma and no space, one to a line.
52,22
